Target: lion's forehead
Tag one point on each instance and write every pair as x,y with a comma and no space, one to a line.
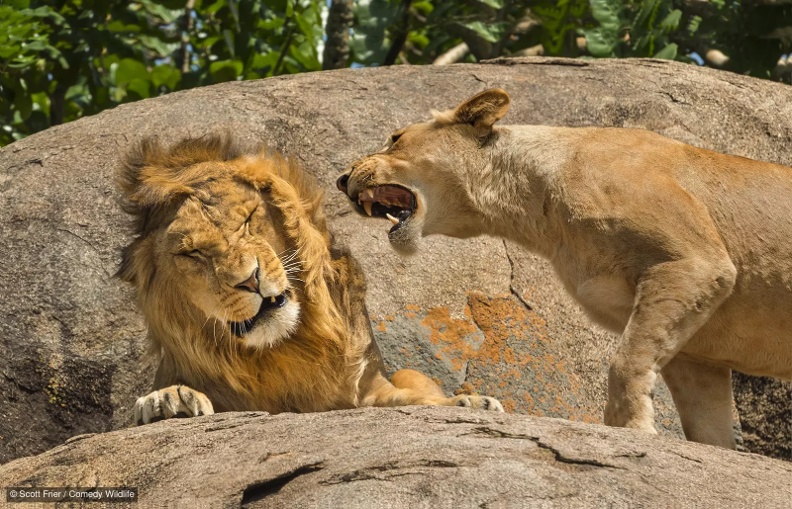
225,202
211,218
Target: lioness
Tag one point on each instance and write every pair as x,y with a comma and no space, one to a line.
248,303
683,251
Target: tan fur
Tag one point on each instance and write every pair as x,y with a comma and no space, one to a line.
219,232
684,252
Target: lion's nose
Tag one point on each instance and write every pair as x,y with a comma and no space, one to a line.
251,284
341,183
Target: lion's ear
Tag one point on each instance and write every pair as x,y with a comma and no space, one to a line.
483,109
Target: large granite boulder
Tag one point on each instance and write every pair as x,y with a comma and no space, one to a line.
406,458
479,315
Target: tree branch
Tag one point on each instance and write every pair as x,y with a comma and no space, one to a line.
286,43
453,55
400,36
339,21
187,24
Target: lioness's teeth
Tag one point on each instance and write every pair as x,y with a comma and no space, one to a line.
369,193
367,206
272,300
392,219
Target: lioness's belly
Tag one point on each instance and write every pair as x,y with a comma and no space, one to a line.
750,332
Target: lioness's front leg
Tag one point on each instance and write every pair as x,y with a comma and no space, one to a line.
173,401
410,387
673,300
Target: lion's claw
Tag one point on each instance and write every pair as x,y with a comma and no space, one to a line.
173,401
478,402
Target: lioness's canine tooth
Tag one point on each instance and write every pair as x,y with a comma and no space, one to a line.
392,219
272,300
369,193
367,206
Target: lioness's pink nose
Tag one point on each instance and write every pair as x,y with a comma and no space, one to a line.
251,284
341,183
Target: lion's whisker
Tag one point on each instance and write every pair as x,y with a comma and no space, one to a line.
291,256
211,315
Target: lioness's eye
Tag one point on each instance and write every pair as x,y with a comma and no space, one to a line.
195,253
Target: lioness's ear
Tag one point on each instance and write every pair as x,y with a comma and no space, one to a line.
483,109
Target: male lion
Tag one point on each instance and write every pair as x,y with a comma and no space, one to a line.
684,252
248,304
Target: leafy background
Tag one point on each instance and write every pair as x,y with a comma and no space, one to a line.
63,59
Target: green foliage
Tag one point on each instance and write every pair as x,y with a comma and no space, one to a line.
633,29
63,59
560,25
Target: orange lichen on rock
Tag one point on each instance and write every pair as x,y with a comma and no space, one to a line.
517,358
454,338
500,348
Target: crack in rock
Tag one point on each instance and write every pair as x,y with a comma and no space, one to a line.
260,490
547,61
388,471
512,289
557,454
479,79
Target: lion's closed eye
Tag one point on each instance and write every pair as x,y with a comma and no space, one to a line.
250,216
246,224
195,254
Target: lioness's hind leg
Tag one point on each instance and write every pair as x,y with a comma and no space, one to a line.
673,300
173,401
703,397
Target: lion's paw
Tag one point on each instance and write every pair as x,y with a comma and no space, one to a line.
173,401
478,402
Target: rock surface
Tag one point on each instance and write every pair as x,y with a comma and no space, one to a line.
480,314
407,458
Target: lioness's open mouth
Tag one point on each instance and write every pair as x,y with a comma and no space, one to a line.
267,304
393,202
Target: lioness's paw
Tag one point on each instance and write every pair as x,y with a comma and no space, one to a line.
479,402
173,401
